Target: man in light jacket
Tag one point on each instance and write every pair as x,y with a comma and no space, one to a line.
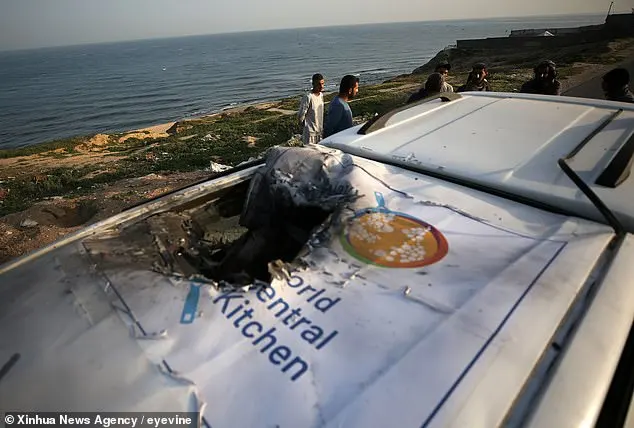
311,112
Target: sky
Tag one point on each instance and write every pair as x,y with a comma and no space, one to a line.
40,23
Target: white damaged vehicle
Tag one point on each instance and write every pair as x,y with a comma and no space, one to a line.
466,261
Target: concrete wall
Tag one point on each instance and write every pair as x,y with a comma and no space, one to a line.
532,42
621,25
556,31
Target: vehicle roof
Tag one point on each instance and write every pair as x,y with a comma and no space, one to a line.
509,142
472,331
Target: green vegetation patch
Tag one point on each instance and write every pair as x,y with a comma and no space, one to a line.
24,192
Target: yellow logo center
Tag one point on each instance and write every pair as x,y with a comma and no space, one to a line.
395,240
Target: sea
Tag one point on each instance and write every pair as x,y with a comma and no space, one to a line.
53,93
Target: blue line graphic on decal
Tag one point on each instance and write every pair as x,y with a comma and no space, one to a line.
191,304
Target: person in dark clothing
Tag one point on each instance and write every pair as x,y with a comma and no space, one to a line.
545,81
477,79
339,112
444,69
616,86
433,86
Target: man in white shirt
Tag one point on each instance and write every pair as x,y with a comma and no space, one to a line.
311,112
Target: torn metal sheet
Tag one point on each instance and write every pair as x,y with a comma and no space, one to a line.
173,243
288,199
231,241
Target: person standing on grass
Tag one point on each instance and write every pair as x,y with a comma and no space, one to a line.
545,81
311,112
339,112
616,86
444,69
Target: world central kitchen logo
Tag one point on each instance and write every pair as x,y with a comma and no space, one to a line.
240,310
390,239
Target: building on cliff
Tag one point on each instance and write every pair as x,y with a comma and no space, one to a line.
615,26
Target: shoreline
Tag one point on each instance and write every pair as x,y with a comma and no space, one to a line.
51,189
231,108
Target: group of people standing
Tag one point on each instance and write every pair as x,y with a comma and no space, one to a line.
436,82
615,85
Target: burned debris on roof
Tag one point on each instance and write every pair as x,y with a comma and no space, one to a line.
291,195
239,235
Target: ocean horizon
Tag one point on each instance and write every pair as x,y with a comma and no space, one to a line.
526,18
59,92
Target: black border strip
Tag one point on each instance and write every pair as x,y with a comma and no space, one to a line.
596,201
581,185
9,365
620,167
617,401
593,134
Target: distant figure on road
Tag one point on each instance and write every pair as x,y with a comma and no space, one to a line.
444,69
339,113
616,86
311,112
545,81
477,79
433,86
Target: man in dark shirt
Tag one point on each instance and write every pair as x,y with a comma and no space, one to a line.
545,81
616,86
433,86
339,112
477,79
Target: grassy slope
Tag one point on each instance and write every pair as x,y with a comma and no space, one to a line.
222,138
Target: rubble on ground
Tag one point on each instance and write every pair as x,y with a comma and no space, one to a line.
28,223
216,167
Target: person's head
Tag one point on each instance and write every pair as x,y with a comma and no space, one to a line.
443,68
615,80
478,72
434,82
349,86
545,70
318,83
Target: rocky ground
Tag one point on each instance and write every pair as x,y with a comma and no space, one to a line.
52,189
50,219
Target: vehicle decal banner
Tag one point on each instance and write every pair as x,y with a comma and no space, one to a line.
397,299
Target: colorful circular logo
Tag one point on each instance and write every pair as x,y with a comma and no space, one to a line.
391,239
